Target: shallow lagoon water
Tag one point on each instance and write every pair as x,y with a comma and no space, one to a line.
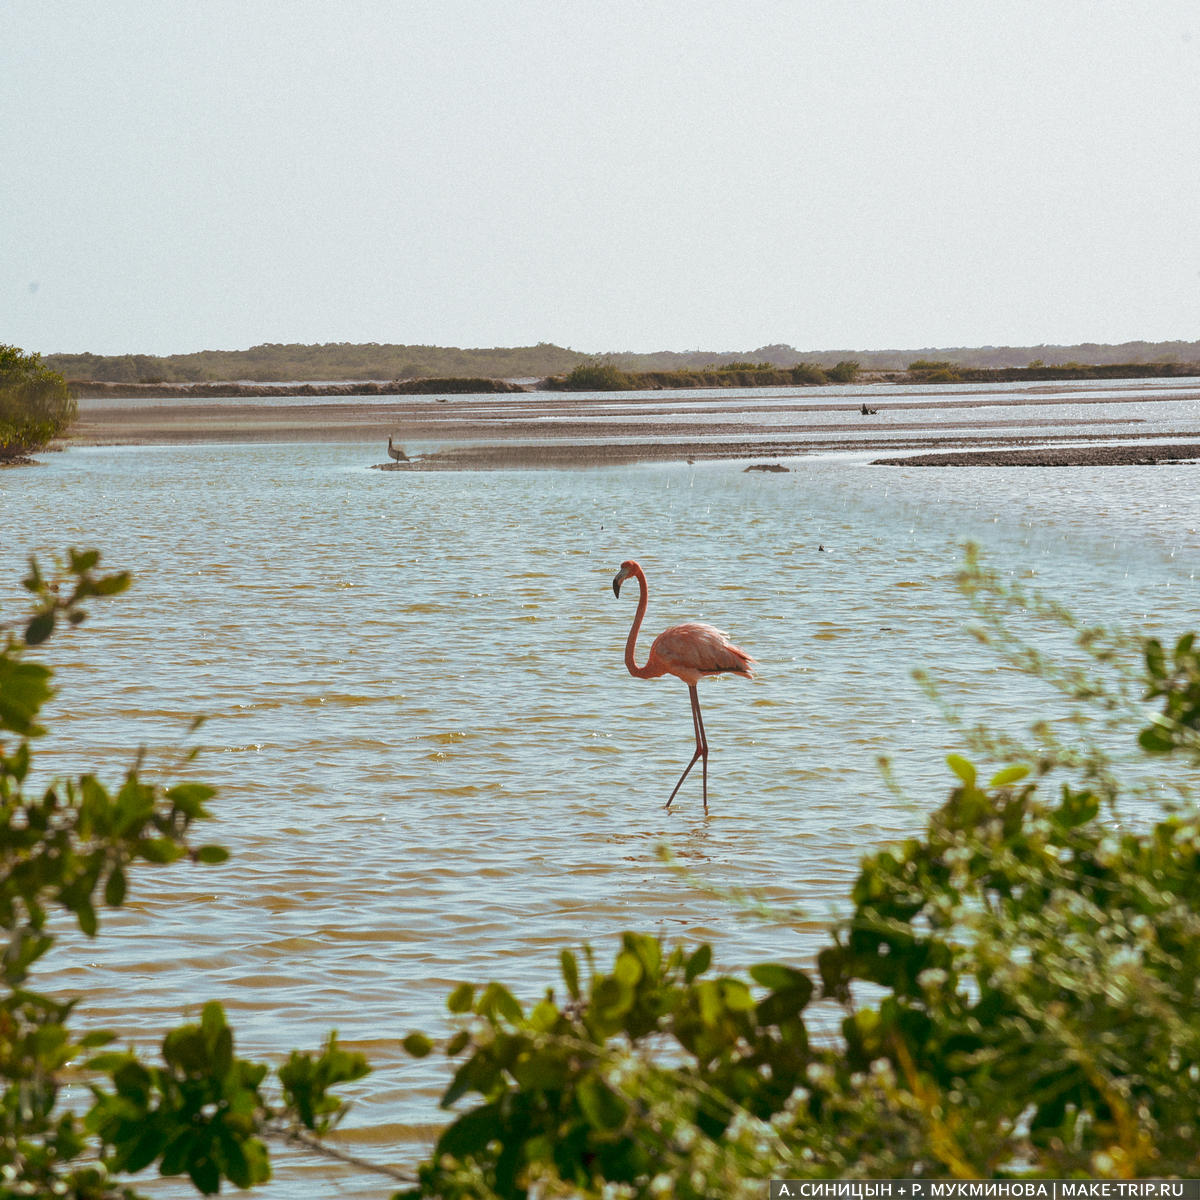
432,763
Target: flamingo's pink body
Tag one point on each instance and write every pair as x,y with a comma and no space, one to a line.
689,651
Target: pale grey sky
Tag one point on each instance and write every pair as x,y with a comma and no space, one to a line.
607,175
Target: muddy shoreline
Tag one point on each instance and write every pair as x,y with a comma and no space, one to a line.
558,431
1147,455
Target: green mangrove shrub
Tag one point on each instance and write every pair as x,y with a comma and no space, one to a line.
808,373
35,405
595,377
1037,974
845,371
605,377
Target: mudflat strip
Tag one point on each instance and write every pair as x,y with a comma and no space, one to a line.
557,430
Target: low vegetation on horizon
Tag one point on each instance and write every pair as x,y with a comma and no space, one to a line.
348,361
604,377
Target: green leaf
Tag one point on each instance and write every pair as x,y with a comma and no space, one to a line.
785,1006
114,889
159,850
497,998
570,973
39,628
1156,662
86,916
16,765
698,963
111,585
1077,808
962,768
141,1150
218,1037
205,1174
628,969
107,1063
602,1107
647,949
544,1072
234,1161
461,998
189,798
1156,739
212,854
184,1049
34,581
243,1159
472,1132
1183,649
712,1007
178,1149
82,560
736,995
255,1166
776,976
24,689
477,1074
611,999
1009,775
418,1045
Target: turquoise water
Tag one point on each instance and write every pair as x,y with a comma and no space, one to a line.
432,763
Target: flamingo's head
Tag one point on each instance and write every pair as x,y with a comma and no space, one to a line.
627,568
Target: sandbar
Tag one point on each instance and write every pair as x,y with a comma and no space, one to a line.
568,430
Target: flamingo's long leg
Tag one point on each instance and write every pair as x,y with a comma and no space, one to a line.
701,748
682,778
701,741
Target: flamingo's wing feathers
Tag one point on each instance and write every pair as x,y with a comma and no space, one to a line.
696,650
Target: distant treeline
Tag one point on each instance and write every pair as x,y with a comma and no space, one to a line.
605,377
348,362
333,362
201,391
944,371
779,355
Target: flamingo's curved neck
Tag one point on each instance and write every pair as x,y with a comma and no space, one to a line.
631,644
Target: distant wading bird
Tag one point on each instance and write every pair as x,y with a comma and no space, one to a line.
395,452
689,651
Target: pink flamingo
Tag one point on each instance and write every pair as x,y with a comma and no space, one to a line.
689,651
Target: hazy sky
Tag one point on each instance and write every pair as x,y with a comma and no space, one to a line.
606,175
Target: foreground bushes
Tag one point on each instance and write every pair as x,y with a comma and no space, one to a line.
35,406
1038,1016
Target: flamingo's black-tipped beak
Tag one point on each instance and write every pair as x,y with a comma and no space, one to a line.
627,569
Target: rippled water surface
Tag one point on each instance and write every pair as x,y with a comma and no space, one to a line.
432,763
